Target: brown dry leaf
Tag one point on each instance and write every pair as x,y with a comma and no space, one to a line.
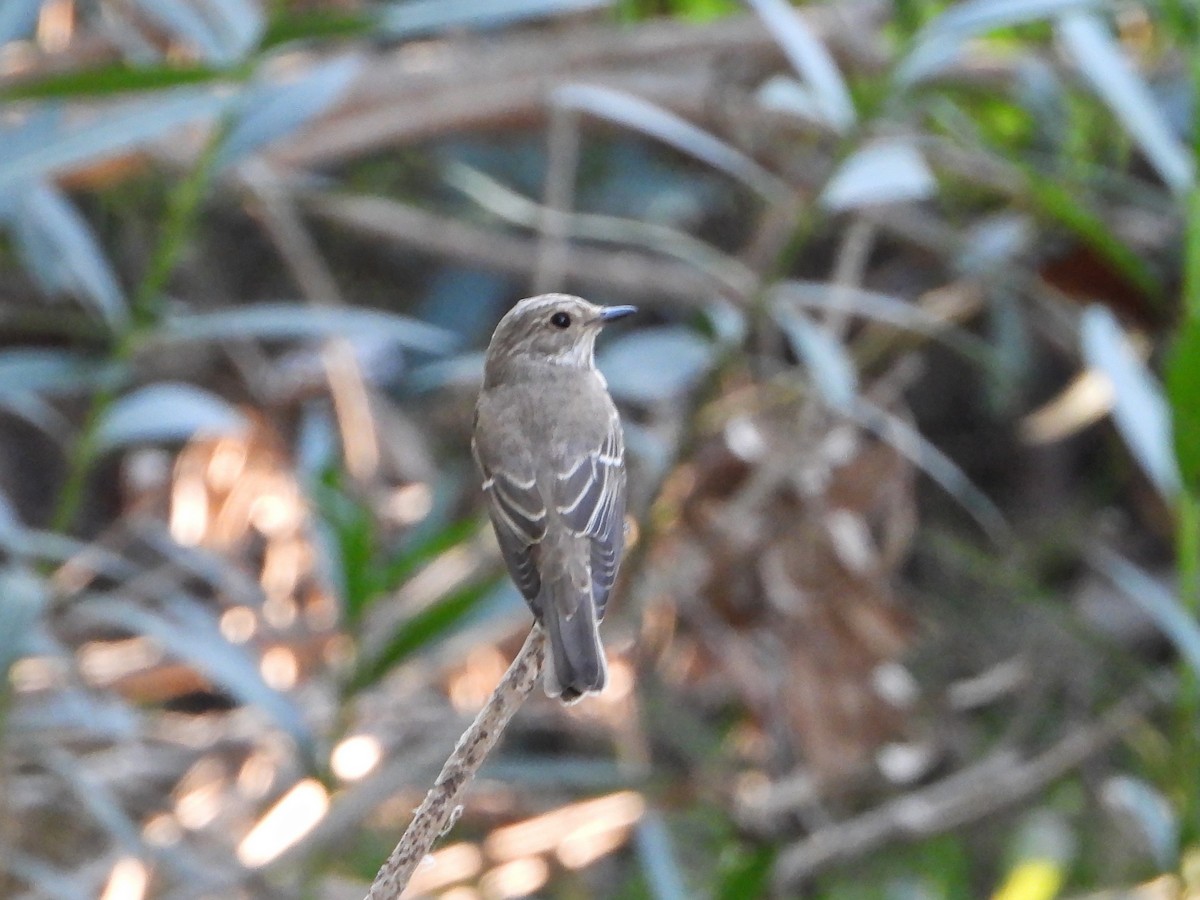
798,524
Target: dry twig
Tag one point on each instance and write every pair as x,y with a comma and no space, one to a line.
630,273
437,812
967,796
427,90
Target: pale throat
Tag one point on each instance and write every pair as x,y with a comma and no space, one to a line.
579,355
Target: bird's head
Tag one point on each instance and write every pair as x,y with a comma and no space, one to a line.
557,329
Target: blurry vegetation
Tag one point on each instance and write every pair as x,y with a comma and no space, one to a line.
913,415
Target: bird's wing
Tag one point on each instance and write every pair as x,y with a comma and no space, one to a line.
589,497
516,509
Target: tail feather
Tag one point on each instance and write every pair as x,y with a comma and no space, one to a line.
575,665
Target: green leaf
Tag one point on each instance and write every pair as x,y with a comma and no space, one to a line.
424,549
704,10
747,874
421,630
119,78
1061,202
290,26
349,523
1183,389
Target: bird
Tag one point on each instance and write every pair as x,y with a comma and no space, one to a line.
549,446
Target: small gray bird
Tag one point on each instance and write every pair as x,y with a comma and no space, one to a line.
548,443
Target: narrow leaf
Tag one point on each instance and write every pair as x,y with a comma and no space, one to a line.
1101,61
76,714
47,143
33,370
1065,205
169,411
657,856
424,546
1150,812
1140,410
289,24
60,249
641,115
187,24
784,94
1183,392
273,111
811,61
24,598
95,798
824,357
913,446
190,633
115,79
240,23
221,31
418,17
941,41
421,630
39,413
1155,599
882,308
12,529
889,171
283,321
979,16
17,18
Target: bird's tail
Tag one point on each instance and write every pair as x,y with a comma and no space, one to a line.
575,665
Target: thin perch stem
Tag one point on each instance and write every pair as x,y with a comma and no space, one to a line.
437,812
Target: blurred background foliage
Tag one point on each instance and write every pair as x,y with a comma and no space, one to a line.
913,415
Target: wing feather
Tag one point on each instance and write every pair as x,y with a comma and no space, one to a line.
589,496
518,517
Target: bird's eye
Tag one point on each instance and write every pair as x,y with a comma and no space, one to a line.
560,320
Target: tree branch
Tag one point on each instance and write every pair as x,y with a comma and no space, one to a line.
436,814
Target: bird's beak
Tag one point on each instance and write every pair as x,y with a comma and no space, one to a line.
608,313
